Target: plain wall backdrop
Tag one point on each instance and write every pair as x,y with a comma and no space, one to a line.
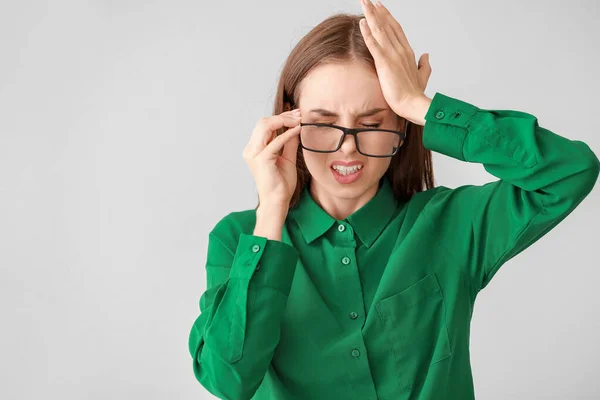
122,125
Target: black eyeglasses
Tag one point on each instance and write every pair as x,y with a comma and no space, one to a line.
370,142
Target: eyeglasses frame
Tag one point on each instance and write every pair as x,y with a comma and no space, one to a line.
354,132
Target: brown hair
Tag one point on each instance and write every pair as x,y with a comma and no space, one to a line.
338,39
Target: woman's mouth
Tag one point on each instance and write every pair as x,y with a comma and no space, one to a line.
346,174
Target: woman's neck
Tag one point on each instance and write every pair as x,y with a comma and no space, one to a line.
341,207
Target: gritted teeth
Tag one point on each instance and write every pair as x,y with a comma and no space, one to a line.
344,166
346,170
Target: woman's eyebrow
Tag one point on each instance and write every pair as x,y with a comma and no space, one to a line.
327,113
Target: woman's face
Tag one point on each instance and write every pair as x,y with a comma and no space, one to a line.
345,91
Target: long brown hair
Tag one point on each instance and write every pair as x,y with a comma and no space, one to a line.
338,40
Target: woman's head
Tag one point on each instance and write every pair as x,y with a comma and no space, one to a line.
346,94
332,69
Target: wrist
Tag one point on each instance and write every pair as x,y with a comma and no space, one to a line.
272,211
415,109
270,221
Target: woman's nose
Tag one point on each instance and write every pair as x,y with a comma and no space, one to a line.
349,144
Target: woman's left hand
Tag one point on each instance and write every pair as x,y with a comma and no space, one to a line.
402,81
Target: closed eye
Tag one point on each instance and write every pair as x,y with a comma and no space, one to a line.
374,126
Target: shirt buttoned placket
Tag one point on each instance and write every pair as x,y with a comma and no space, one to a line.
352,315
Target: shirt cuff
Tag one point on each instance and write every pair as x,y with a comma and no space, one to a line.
446,125
265,262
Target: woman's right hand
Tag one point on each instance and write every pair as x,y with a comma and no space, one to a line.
274,169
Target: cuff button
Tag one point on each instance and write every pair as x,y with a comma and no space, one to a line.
440,114
255,248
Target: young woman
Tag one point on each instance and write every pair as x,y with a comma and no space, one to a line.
355,278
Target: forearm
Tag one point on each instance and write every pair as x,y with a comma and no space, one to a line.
542,178
513,147
233,340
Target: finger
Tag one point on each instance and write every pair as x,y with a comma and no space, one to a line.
276,145
269,125
386,19
370,40
376,27
264,131
394,24
273,134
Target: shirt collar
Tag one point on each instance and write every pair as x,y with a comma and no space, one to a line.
368,221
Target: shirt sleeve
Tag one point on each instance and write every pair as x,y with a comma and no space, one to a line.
233,339
542,178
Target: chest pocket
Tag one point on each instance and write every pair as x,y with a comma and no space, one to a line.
415,325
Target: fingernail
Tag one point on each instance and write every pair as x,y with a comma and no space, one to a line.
296,112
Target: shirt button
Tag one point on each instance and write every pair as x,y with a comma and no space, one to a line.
353,315
258,267
341,228
255,248
440,114
345,260
355,353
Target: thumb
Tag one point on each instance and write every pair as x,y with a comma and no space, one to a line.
424,70
424,61
290,149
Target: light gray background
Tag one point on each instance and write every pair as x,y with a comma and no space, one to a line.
122,125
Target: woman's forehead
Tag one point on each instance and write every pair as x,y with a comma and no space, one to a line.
341,88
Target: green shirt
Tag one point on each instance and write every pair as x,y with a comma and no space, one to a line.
379,305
